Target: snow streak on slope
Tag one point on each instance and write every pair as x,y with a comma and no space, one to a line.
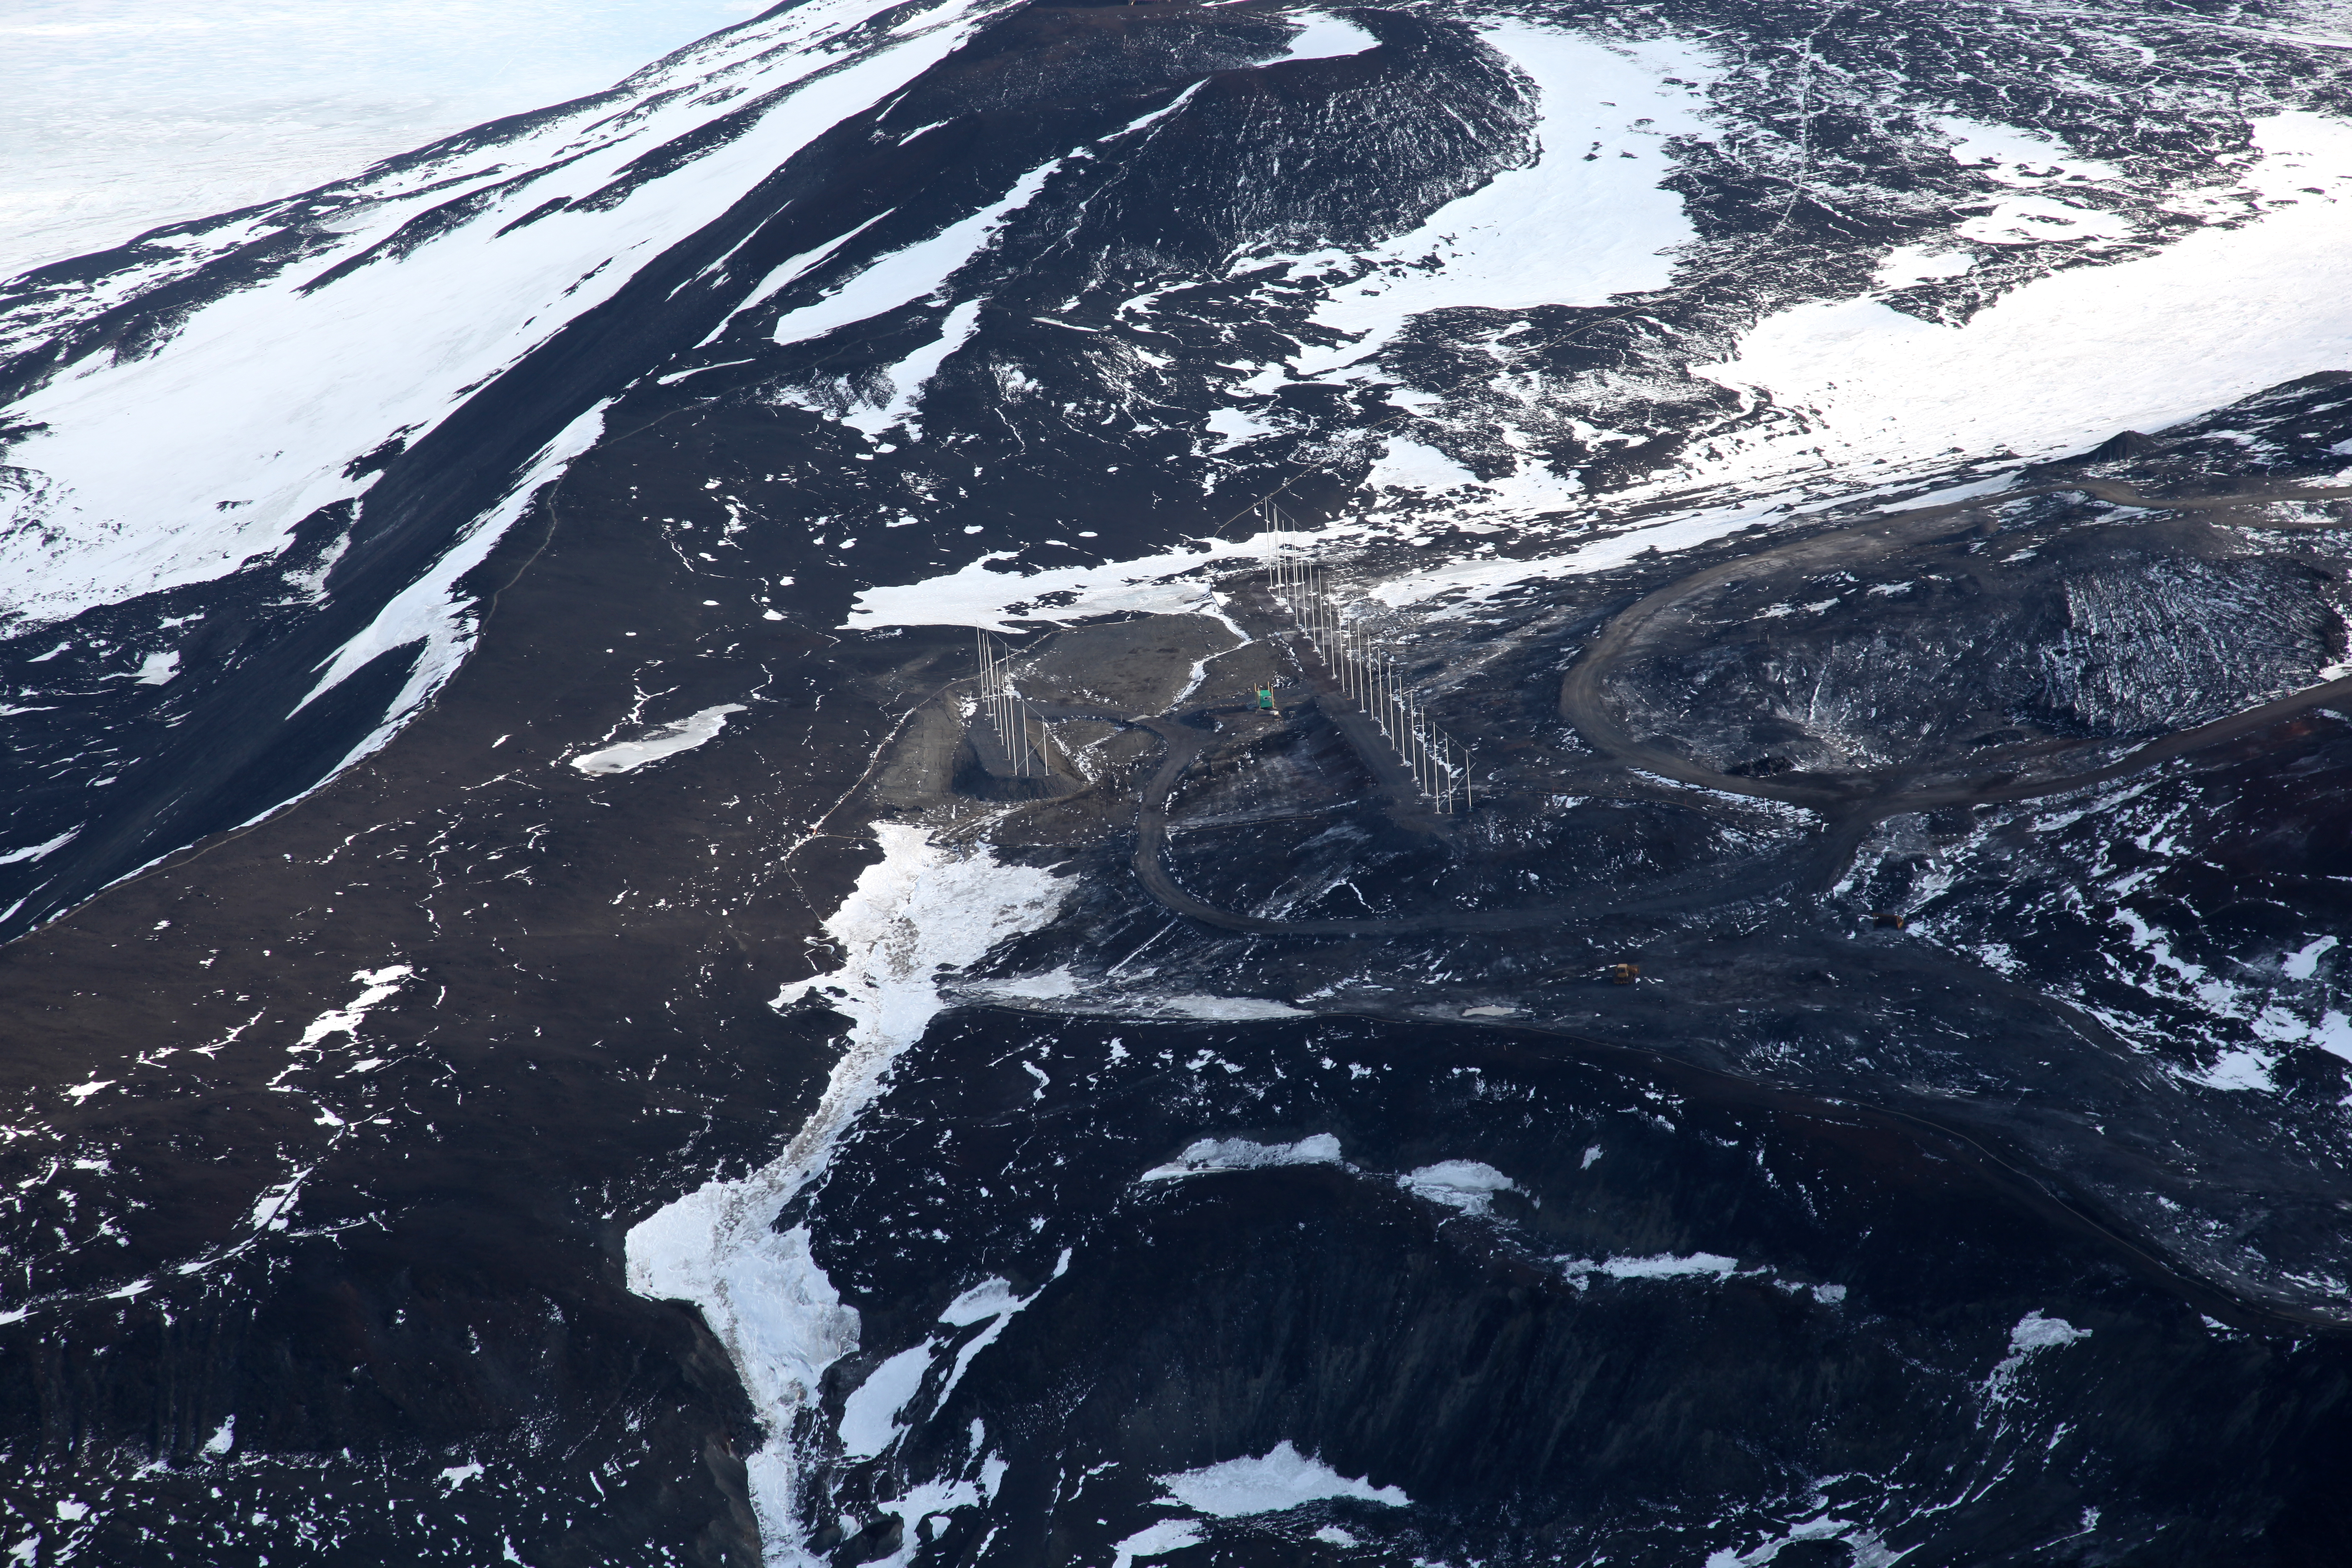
918,909
173,465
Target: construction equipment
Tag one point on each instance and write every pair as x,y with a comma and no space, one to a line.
1266,699
1624,973
1886,921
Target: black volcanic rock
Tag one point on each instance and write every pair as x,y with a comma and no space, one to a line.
536,1032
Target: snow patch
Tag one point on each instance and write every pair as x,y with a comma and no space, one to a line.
345,1020
2304,960
922,905
2034,1333
869,1416
1211,1154
1663,1266
2066,360
1155,1541
682,735
35,851
1281,1478
1324,37
1464,1185
1232,1008
992,1301
1564,230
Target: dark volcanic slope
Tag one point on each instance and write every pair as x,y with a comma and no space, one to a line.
540,1024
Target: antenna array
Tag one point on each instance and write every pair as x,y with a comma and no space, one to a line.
1365,671
1006,709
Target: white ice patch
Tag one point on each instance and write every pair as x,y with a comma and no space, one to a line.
869,1416
974,595
917,271
431,611
224,1437
1663,1266
1232,1009
668,741
1232,428
2304,960
1464,1185
1867,1548
1054,983
2012,155
1910,264
911,375
2333,1034
1155,1541
121,117
783,1323
991,1302
273,1210
380,984
1323,38
1281,1478
911,274
2242,1068
2034,1334
1213,1154
157,669
456,1476
35,851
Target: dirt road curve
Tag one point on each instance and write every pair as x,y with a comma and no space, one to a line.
1853,803
1849,804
